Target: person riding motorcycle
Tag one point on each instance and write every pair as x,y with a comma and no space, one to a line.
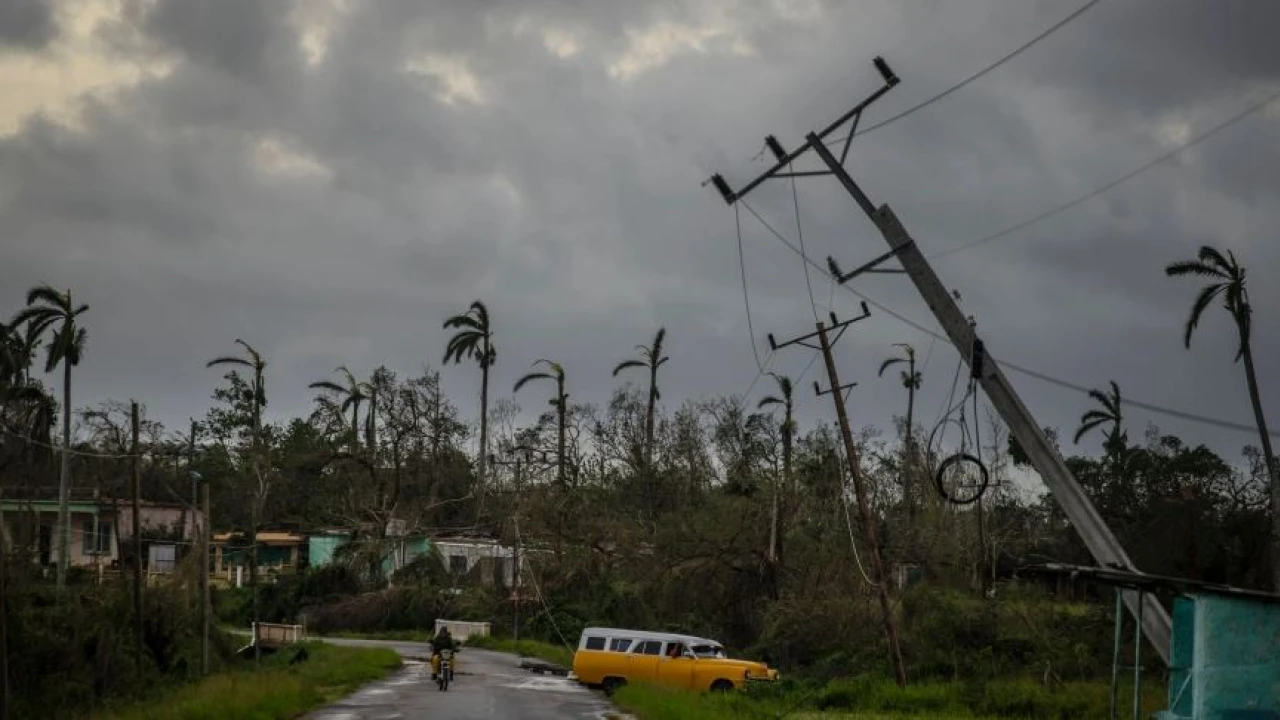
442,641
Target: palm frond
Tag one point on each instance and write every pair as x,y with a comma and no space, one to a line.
1212,257
1086,426
888,363
327,385
627,364
1192,267
228,360
1206,296
531,377
37,316
49,295
769,400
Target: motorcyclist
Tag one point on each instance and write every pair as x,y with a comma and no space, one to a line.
442,641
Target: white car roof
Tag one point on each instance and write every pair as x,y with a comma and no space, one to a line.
647,635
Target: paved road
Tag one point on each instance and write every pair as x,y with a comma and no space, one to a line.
488,685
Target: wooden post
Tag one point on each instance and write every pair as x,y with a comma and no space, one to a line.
205,606
4,615
137,539
864,511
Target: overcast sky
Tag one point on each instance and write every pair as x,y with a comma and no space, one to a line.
330,179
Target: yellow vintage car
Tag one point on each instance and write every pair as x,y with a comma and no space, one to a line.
608,658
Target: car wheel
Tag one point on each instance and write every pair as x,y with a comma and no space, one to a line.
611,685
721,685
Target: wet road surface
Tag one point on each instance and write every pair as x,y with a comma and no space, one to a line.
487,685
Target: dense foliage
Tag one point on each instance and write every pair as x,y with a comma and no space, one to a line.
721,517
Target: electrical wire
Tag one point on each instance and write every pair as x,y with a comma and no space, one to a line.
1114,183
537,589
1149,407
795,199
746,298
1007,57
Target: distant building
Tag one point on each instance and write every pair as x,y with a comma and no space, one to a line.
98,525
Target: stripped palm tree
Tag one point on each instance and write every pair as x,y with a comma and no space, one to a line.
474,339
349,396
911,380
651,358
1227,281
256,396
51,310
784,398
559,402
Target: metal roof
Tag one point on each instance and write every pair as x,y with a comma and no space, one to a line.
1134,580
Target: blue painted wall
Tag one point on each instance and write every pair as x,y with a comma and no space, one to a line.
1235,658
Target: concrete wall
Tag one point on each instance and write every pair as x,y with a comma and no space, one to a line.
1235,658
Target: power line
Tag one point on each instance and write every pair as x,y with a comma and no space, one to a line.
1149,407
795,199
746,298
1009,56
1107,187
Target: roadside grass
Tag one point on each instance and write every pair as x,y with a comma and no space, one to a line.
869,698
557,654
277,691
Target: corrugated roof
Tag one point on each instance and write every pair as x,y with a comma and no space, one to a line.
1134,580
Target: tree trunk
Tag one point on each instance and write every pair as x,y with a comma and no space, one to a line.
1273,471
64,481
648,441
255,511
484,417
4,622
562,401
908,470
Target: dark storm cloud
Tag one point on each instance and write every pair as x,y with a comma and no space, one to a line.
337,213
26,24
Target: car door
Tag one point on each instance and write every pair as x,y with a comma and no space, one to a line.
644,661
675,668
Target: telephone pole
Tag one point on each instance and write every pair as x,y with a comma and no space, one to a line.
837,392
1097,536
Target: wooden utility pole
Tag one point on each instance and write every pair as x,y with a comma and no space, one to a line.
137,537
201,486
4,617
837,392
1097,536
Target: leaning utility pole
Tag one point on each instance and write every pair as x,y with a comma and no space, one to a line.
1101,542
837,392
137,538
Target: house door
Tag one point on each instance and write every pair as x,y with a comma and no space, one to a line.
45,544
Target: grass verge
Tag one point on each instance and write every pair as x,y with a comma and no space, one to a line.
558,654
420,636
275,692
878,699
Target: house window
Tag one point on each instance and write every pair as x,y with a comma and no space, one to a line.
458,564
100,543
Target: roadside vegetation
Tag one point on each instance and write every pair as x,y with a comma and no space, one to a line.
725,517
277,691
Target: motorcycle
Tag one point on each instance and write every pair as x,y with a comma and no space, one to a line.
445,674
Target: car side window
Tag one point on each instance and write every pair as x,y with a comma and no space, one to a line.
649,647
620,644
595,643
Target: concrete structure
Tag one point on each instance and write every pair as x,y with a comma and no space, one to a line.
278,553
97,526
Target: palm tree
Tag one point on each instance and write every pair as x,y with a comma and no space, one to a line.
1109,414
256,395
1227,280
351,395
559,402
47,309
911,380
475,339
651,358
784,398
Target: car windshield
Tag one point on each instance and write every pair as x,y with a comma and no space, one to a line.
708,651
